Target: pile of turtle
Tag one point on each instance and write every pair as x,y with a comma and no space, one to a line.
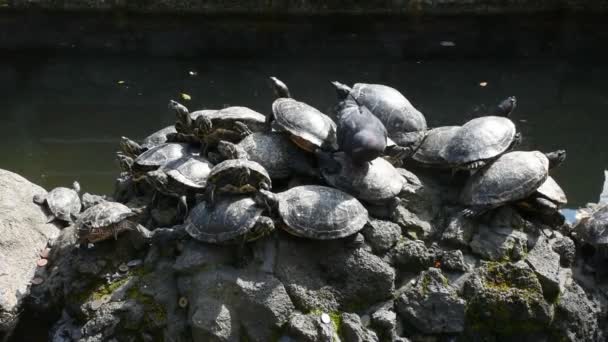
235,174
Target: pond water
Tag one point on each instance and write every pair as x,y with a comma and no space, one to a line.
62,115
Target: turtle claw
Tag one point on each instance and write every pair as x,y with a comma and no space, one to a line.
242,129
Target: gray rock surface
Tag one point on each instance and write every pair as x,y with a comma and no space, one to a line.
459,231
431,305
545,263
454,261
411,256
564,246
24,232
576,317
353,330
310,328
499,243
381,235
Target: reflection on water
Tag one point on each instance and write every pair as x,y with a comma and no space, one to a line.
61,117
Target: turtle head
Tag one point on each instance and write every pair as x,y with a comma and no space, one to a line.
76,186
342,90
264,226
280,89
130,147
506,107
203,125
230,150
182,115
267,199
556,158
178,108
125,162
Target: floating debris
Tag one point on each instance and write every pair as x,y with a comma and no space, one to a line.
42,262
185,96
123,268
121,82
192,73
183,302
135,263
447,43
37,281
325,318
483,84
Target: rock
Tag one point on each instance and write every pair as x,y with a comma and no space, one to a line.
310,328
564,246
431,305
381,235
411,256
506,298
196,255
256,303
353,331
411,223
459,231
545,263
494,243
593,230
24,233
454,261
384,321
576,317
212,321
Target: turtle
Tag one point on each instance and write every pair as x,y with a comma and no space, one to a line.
232,219
360,134
185,127
105,220
512,177
405,125
133,149
178,178
482,139
592,230
428,154
308,128
63,203
274,151
159,156
377,182
316,211
547,200
237,176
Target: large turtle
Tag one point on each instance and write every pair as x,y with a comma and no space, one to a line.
482,139
159,156
133,149
181,177
317,212
63,203
237,176
428,154
360,134
404,123
512,177
307,126
105,220
232,219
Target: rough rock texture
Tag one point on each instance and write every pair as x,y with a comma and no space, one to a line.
411,256
498,243
310,328
576,317
24,232
352,329
381,235
545,263
432,305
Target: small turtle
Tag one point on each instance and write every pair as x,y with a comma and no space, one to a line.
63,203
377,182
275,152
404,123
180,177
133,149
317,212
482,139
159,156
547,200
232,219
428,154
105,220
308,127
185,125
237,176
512,177
360,134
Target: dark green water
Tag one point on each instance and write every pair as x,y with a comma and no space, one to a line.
61,117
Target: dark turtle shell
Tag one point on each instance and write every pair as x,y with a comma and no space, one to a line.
275,152
64,203
104,214
429,153
511,177
228,219
396,112
376,181
320,212
161,155
157,138
191,172
225,118
553,192
309,128
239,176
480,139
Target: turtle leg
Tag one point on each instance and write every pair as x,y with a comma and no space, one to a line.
210,194
475,211
182,207
516,141
39,199
242,129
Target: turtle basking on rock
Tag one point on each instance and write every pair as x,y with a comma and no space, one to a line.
307,126
106,220
63,203
513,177
237,176
157,157
429,152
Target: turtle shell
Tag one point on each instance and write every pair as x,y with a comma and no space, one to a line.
511,177
226,117
104,214
157,138
238,176
553,192
189,171
479,139
320,212
227,219
162,154
376,181
274,151
392,108
428,154
63,203
201,112
309,128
